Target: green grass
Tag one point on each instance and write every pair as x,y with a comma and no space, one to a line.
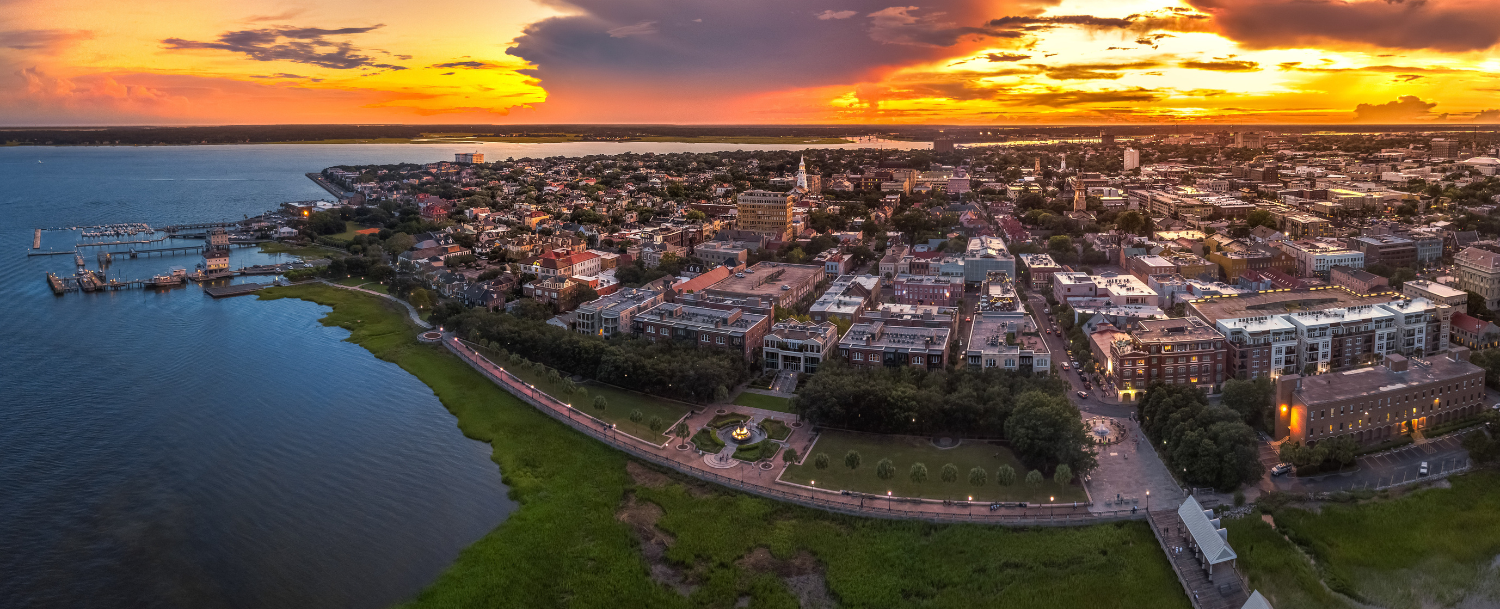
1277,568
707,441
618,403
349,227
764,402
763,449
376,287
352,281
776,429
564,545
305,251
903,451
728,418
1426,547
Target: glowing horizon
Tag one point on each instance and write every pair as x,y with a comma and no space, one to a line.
1002,63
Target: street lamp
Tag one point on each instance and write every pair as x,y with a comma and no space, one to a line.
1148,501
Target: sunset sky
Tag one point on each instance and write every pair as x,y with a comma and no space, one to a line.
88,62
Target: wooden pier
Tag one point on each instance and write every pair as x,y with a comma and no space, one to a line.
235,290
36,242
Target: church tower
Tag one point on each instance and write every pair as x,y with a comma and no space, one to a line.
802,174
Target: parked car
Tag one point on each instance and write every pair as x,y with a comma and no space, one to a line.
1083,395
1422,471
1280,469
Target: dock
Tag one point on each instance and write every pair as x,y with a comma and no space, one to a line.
36,242
235,290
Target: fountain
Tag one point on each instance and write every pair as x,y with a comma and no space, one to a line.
740,433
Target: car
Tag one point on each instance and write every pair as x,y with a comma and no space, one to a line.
1086,385
1065,365
1280,469
1422,471
1083,395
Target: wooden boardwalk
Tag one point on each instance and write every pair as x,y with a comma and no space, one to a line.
239,289
1172,533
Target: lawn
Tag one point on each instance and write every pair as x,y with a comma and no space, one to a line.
1425,548
776,429
352,281
566,543
904,451
764,402
304,251
763,449
707,441
1277,568
349,227
619,403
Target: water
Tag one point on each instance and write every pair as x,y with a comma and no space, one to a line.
165,449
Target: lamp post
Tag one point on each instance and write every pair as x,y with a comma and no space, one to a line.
1148,501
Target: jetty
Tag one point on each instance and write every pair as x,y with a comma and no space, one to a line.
36,242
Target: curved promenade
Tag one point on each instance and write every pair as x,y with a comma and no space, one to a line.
415,318
754,480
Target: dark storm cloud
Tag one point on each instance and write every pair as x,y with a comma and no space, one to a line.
1442,25
307,45
745,46
1222,66
41,40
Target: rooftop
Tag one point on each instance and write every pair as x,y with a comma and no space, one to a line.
1272,302
1181,328
990,330
1376,380
767,278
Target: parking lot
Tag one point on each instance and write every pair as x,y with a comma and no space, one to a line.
1375,470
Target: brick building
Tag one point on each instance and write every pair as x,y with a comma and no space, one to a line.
729,330
1377,403
875,344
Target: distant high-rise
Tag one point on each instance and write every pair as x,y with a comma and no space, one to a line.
1444,148
1132,159
1248,140
1108,139
767,213
468,157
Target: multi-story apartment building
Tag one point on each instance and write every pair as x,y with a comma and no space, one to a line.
562,263
767,213
730,330
1457,299
1389,250
1306,226
1315,257
997,293
1478,271
1143,267
927,290
985,254
846,298
614,314
1429,244
875,344
1009,341
1236,257
1332,339
1358,281
927,316
895,261
1040,268
1444,148
1378,403
797,346
782,284
1182,351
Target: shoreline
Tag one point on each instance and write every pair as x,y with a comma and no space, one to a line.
575,538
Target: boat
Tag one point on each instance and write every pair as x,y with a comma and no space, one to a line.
178,276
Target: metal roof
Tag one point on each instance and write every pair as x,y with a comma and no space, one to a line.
1205,532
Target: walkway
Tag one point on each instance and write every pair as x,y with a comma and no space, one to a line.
415,318
752,478
1172,534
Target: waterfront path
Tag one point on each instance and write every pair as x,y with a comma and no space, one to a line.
758,480
415,318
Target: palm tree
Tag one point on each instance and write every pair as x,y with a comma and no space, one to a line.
949,473
918,472
1033,477
885,470
1063,475
655,424
977,476
636,415
1006,475
681,431
851,459
821,461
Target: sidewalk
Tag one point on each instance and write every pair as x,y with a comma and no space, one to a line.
758,479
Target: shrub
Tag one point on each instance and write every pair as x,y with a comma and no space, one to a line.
885,470
977,476
789,456
707,441
949,473
821,461
1006,475
1063,475
918,472
636,415
851,460
600,403
1033,477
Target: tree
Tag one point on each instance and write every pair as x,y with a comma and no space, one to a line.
636,415
600,403
1478,308
789,455
949,473
1060,243
1033,478
682,432
1252,399
1260,217
821,461
399,242
1130,222
654,424
1063,475
420,298
885,470
851,460
1044,429
918,472
1006,475
977,476
721,394
694,215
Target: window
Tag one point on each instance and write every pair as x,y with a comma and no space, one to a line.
651,329
916,359
719,340
859,357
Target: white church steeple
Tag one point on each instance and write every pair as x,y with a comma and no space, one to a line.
802,174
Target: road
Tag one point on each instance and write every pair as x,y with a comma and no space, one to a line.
1374,470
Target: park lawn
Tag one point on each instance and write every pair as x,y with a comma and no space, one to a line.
349,227
375,287
764,402
619,403
775,429
1277,568
353,281
1429,547
903,451
303,251
566,544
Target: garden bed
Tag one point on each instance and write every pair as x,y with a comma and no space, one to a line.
707,441
763,449
719,422
776,429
